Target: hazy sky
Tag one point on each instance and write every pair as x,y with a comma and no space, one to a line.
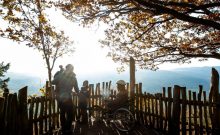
88,58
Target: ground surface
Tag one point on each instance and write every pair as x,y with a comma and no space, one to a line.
101,128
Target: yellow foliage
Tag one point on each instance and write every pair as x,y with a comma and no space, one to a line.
151,20
42,19
43,91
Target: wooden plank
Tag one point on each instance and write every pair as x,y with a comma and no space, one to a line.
99,94
145,109
5,95
166,110
2,123
215,98
46,107
103,87
41,129
195,113
49,112
183,90
8,114
176,111
190,112
200,110
210,107
31,115
132,81
132,77
205,112
141,104
152,109
156,112
22,98
92,94
90,99
54,114
106,84
13,121
107,91
161,115
149,109
53,108
169,110
15,113
104,93
109,86
36,130
112,95
137,105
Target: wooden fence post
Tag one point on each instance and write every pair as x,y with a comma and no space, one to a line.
31,116
8,114
2,123
22,100
132,77
200,110
183,92
14,115
175,123
49,92
5,95
215,98
169,107
132,83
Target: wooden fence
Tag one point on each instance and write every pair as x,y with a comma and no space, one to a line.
174,111
20,115
179,111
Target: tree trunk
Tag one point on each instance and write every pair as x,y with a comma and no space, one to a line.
48,85
49,75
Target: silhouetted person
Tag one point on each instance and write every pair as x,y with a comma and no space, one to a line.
83,101
121,97
65,82
60,71
57,89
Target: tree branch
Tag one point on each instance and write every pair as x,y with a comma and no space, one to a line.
181,16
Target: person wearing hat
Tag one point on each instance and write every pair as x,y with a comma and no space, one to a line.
65,82
121,97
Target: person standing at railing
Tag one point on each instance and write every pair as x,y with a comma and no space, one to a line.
83,102
56,75
64,83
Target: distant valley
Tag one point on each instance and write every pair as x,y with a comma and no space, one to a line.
152,81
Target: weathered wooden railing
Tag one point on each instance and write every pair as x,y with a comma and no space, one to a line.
13,113
180,111
174,111
43,115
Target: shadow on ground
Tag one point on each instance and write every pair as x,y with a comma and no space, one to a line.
101,128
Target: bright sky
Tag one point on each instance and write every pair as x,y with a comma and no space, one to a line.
88,58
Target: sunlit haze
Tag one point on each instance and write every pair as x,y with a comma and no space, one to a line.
88,58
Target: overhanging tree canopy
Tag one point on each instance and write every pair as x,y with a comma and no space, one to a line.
28,21
153,31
